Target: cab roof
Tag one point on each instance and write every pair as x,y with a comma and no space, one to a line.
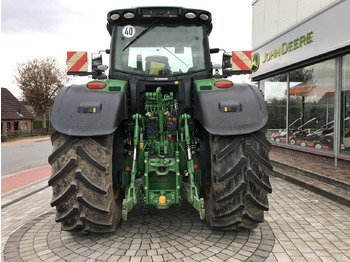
159,14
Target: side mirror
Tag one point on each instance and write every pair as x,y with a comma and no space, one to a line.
226,61
227,64
96,60
97,67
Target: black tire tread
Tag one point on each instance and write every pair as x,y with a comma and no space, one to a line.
82,184
68,214
54,135
259,182
99,140
54,177
226,150
262,161
61,149
93,206
240,181
233,171
82,152
63,196
89,184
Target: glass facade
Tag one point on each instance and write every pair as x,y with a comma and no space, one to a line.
303,104
345,107
274,90
311,102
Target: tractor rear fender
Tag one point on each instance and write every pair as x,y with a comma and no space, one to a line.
78,111
231,111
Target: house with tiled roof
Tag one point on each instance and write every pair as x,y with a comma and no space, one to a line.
14,116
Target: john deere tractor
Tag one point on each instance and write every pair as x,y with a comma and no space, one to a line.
160,129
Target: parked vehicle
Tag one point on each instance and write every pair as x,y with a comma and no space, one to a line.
159,129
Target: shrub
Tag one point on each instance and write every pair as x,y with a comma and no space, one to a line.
37,123
4,138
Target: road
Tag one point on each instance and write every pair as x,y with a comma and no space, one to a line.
20,155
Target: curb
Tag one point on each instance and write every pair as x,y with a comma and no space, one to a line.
325,179
25,141
331,188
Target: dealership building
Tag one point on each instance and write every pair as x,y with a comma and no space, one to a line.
301,62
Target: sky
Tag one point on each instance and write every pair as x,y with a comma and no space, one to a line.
49,28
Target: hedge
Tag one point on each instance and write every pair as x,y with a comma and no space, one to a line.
37,123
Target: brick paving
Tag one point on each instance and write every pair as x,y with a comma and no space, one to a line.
300,226
307,226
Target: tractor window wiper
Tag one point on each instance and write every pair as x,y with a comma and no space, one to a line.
149,28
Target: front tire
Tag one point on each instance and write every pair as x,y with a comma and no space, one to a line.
240,184
82,183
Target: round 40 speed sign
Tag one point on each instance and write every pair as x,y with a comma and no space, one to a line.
129,31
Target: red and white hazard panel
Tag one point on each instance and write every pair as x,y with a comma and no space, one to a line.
241,60
77,61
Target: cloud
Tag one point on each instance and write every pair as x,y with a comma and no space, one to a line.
34,16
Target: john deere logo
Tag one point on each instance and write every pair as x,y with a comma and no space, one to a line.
255,62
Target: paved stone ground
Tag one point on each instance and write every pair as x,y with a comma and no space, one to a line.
307,226
300,226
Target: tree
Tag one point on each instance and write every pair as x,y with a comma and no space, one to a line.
304,75
40,81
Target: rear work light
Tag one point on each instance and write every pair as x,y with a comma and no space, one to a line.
129,15
204,17
96,85
115,17
223,84
190,15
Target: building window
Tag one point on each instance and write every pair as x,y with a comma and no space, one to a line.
15,126
311,106
25,126
345,107
8,126
274,90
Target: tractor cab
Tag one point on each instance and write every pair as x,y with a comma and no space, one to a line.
159,42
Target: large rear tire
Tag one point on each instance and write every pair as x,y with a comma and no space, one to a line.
82,183
240,170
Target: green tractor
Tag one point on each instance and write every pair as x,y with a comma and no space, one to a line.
160,129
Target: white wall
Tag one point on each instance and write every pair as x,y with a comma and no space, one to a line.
273,17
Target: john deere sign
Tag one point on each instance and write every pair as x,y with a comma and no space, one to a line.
289,46
307,40
255,62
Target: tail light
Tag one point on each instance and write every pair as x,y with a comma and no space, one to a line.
223,84
96,85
